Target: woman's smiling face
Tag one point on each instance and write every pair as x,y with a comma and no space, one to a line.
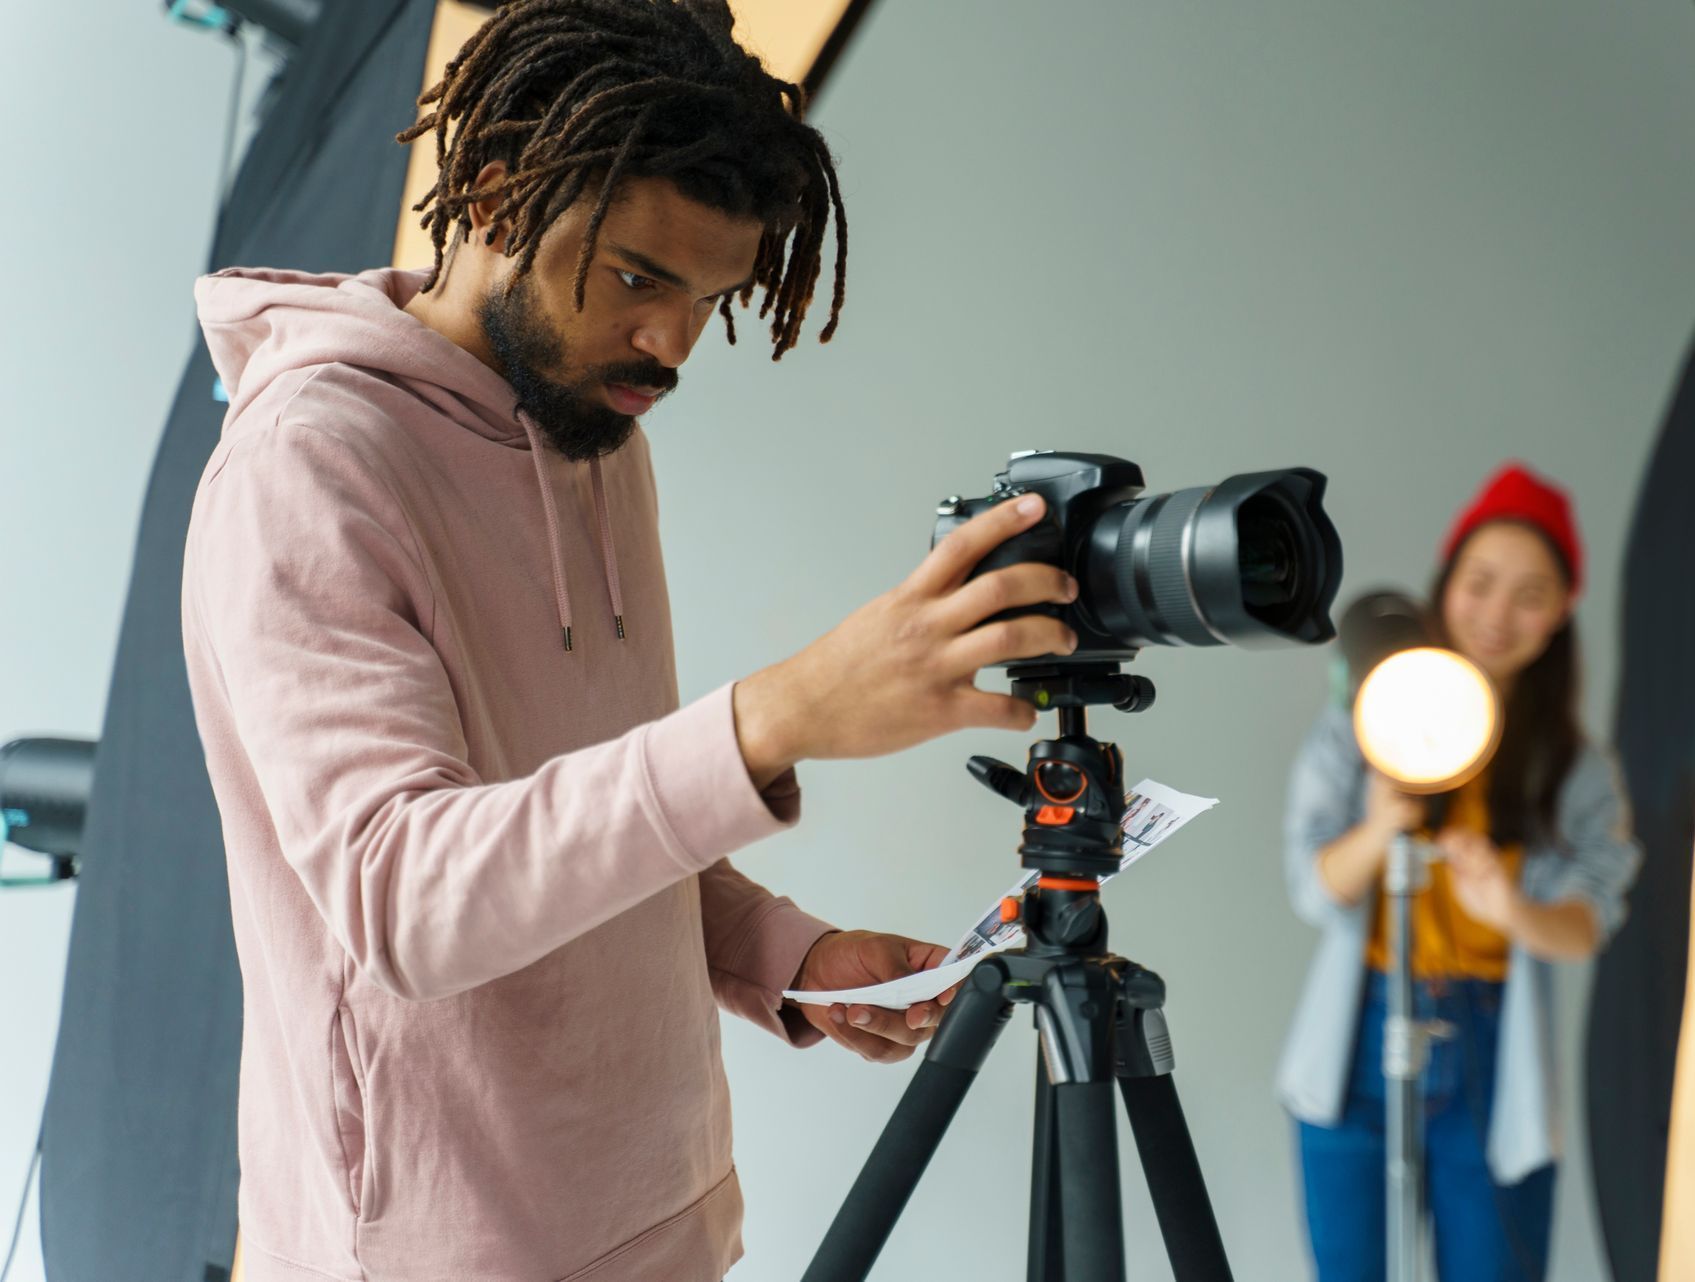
1506,597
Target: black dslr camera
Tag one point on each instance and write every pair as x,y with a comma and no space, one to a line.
1252,561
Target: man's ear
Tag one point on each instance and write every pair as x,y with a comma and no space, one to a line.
482,211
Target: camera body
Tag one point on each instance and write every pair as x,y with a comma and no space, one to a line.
1253,560
1076,488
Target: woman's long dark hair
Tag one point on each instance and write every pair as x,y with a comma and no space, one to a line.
1541,735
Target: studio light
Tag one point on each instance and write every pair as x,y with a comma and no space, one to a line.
1427,718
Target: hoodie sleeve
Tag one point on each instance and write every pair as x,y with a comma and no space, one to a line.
307,610
755,943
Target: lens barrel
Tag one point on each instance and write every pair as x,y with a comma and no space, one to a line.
1252,561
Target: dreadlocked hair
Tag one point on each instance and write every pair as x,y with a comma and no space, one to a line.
570,92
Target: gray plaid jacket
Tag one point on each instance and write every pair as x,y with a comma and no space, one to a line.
1595,860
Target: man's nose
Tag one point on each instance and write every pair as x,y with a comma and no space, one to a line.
665,339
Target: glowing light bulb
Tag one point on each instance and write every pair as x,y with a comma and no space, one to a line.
1427,718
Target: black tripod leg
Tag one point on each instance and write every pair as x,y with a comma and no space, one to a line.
1175,1182
1086,1128
1047,1256
962,1042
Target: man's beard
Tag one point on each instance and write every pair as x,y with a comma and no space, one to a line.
570,416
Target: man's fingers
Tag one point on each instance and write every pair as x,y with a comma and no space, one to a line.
876,1049
879,1050
871,1048
923,1015
923,956
887,1024
951,559
929,1014
1023,638
1025,584
995,711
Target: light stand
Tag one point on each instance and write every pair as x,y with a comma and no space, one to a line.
1428,719
1406,1043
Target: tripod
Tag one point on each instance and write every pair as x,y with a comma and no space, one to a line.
1099,1018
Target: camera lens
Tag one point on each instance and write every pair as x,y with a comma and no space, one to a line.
1269,560
1253,560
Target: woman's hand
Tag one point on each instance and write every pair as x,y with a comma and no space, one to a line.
1566,930
1480,880
1349,865
1387,809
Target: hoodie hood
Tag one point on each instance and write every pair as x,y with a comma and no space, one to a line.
262,323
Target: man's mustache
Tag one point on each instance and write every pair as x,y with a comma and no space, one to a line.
646,374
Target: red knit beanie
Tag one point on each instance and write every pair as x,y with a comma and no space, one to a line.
1515,493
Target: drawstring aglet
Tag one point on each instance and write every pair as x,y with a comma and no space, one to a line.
619,620
566,634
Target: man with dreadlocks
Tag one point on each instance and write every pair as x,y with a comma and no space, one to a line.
477,852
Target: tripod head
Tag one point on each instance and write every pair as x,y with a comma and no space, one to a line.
1065,685
1072,789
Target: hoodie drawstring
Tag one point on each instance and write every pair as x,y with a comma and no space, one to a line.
608,548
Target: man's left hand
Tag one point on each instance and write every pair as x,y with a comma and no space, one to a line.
855,959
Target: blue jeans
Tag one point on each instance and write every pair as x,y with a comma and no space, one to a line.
1485,1232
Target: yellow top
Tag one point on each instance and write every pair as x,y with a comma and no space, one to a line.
1448,943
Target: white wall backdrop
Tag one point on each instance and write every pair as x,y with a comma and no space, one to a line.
116,165
1396,245
1399,244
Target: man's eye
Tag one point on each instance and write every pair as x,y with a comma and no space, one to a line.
633,281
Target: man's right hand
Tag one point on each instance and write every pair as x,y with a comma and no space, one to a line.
899,670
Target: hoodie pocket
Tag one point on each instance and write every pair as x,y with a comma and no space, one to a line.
348,1086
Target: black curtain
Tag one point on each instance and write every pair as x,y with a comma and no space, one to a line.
139,1168
1636,1004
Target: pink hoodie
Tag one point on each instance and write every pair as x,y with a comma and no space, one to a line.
476,853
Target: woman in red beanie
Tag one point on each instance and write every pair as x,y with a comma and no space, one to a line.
1535,858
